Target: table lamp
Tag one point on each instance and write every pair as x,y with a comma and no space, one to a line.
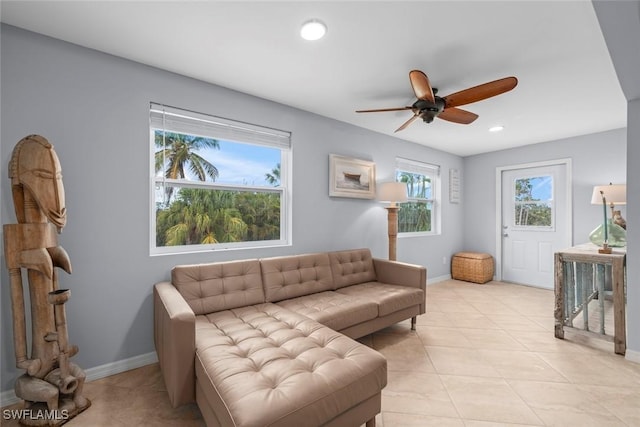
392,192
609,234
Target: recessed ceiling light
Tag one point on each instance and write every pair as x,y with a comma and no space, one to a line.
497,128
313,30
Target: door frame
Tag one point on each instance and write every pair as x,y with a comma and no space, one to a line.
566,162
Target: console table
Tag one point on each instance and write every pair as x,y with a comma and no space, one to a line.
580,276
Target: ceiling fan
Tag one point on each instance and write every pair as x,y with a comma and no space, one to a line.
428,106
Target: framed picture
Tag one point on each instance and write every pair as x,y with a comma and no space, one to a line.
351,177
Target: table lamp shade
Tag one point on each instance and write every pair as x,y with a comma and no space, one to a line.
614,193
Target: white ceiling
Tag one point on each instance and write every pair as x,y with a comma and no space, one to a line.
567,84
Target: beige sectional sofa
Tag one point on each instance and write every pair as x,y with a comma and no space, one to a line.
268,342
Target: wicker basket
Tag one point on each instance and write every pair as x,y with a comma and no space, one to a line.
472,267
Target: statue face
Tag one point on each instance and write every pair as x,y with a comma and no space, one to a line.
36,167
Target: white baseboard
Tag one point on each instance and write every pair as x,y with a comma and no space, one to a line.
432,280
632,356
9,397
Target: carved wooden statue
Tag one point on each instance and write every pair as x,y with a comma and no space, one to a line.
52,385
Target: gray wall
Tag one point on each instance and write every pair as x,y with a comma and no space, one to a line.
596,159
94,109
620,24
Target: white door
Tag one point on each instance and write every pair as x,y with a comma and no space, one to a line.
535,223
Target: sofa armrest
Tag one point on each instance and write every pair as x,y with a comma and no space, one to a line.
174,337
402,274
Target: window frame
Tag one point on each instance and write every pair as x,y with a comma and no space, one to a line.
426,169
232,132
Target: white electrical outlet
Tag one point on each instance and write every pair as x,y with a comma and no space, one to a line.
444,259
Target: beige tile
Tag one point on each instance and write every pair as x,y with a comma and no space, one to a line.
460,361
543,342
471,320
396,419
515,323
488,399
492,339
557,398
568,418
521,365
590,369
622,402
417,393
403,351
474,423
443,336
433,318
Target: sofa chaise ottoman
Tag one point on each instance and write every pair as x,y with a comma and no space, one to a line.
269,342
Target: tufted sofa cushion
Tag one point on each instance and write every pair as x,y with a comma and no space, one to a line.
352,267
335,310
294,276
389,298
208,288
265,365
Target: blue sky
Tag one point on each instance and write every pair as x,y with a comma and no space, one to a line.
541,187
245,164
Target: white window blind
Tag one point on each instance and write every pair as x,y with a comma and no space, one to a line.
413,166
173,119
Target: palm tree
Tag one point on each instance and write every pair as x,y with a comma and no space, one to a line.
273,178
179,152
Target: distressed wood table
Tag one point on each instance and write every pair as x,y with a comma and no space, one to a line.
581,275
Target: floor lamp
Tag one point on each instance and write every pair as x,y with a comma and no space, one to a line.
392,192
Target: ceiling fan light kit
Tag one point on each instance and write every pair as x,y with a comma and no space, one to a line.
429,106
312,30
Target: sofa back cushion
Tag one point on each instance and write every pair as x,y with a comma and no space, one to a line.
352,267
294,276
208,288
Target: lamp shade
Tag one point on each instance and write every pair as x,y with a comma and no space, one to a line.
394,192
614,193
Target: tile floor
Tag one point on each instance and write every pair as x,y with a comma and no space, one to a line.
482,355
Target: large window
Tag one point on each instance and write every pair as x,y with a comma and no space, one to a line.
419,215
216,183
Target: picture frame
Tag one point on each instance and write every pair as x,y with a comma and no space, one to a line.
349,177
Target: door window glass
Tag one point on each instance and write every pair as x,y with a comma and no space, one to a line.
533,202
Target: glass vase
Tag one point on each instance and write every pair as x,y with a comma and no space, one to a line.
617,235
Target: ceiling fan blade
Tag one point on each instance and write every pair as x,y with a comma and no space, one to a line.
421,86
457,115
408,122
480,92
384,109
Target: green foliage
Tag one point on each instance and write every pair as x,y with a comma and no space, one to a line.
273,178
414,216
198,216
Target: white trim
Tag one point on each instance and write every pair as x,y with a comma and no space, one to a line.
569,205
632,356
433,280
9,397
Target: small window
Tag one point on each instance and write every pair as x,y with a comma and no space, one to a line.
533,202
216,183
419,215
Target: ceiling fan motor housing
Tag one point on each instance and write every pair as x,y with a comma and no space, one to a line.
429,110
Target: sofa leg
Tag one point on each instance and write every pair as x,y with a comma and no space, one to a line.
371,422
413,323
